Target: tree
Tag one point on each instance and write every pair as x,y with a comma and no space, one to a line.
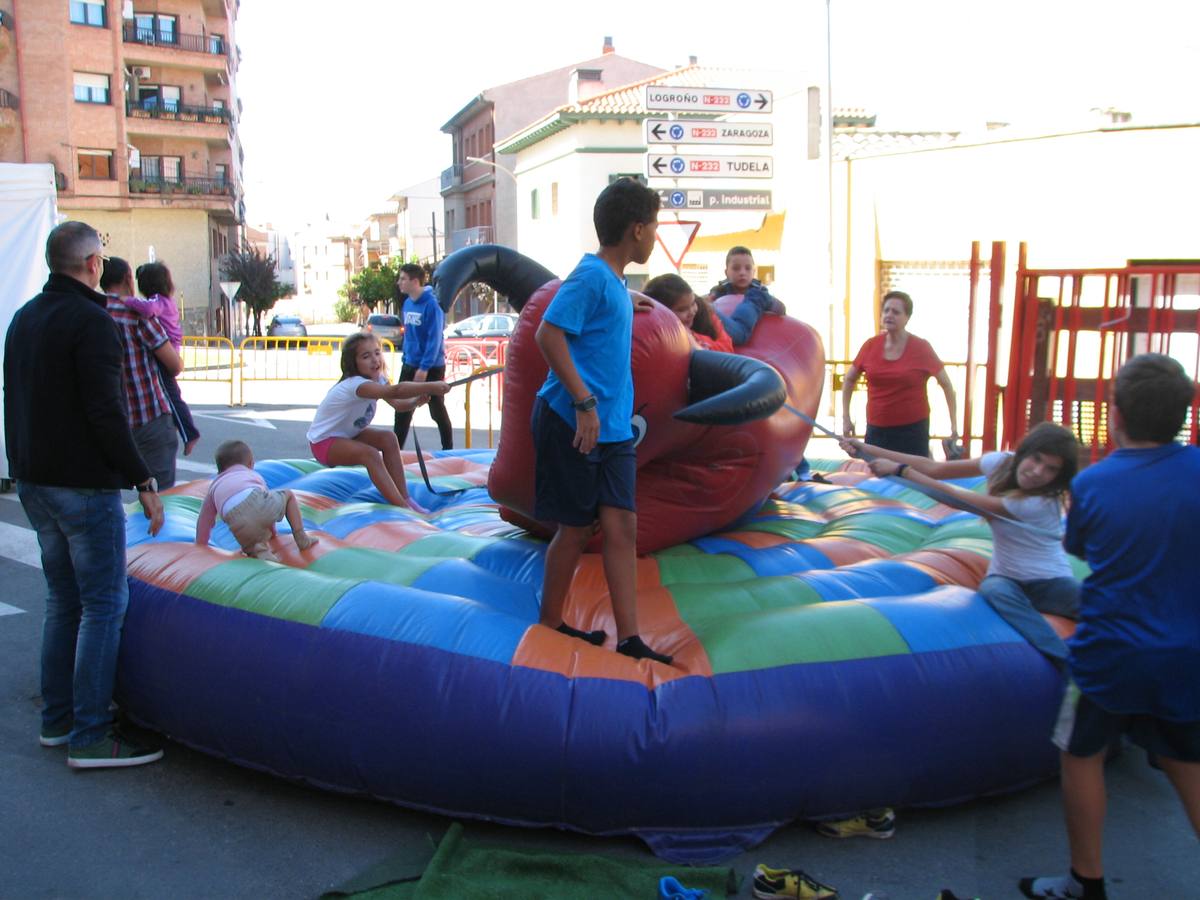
375,285
260,289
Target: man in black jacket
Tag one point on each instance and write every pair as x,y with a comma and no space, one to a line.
71,451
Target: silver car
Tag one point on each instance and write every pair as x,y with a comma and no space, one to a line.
385,326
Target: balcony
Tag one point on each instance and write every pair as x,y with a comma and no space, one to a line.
169,48
194,185
179,120
212,44
469,237
8,101
451,177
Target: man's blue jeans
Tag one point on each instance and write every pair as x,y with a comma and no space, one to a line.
82,536
1021,603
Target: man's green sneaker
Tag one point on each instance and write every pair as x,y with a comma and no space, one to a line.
55,736
113,752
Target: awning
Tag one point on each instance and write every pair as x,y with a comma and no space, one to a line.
766,237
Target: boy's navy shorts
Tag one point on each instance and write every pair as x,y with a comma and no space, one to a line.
570,487
1085,729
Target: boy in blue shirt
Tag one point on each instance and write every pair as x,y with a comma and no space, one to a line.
586,464
424,358
1135,657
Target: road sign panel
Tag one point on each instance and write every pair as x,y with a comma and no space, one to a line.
714,199
662,131
661,165
706,99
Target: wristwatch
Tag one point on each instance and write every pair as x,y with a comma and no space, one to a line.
149,486
588,402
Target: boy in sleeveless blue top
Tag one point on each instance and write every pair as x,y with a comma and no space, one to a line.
586,465
1135,657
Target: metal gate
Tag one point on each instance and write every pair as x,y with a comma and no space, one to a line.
1073,328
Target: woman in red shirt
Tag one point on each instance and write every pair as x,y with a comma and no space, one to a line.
897,365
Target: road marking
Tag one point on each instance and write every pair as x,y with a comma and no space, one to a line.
188,466
20,545
244,417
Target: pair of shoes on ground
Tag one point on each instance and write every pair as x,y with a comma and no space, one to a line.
791,884
114,751
875,823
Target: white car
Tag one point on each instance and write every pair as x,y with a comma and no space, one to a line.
488,325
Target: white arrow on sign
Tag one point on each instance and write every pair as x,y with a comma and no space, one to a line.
706,99
663,166
664,131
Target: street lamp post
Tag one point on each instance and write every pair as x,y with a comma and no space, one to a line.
496,166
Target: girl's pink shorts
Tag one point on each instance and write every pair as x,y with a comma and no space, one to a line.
320,450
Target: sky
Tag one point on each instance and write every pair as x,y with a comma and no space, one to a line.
343,107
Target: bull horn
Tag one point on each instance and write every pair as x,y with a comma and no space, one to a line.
502,268
728,389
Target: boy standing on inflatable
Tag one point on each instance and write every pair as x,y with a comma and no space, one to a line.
586,461
1136,652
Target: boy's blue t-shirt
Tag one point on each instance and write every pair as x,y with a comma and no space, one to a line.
593,307
1134,517
423,324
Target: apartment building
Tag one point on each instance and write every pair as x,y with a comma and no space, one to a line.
479,189
134,103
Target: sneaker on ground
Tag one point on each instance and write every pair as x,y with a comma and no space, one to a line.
791,884
55,736
113,752
876,823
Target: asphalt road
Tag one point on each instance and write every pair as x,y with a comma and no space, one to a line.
193,826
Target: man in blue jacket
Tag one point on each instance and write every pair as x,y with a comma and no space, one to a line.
423,356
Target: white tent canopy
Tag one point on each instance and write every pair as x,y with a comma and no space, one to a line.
27,214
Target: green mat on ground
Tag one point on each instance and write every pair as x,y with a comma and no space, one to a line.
466,872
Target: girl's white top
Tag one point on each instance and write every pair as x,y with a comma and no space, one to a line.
343,414
1018,553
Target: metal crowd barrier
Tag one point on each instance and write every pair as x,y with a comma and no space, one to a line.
296,359
207,359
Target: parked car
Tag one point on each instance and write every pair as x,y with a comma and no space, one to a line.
286,326
386,326
488,325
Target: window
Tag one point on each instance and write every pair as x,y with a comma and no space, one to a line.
88,12
156,29
156,96
95,165
162,168
222,173
533,204
216,44
91,88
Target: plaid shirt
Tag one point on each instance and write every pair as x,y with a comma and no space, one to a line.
144,391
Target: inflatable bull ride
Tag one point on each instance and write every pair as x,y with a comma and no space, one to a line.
830,652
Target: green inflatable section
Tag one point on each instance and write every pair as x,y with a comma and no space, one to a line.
270,589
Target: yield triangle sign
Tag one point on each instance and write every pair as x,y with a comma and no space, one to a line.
676,239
